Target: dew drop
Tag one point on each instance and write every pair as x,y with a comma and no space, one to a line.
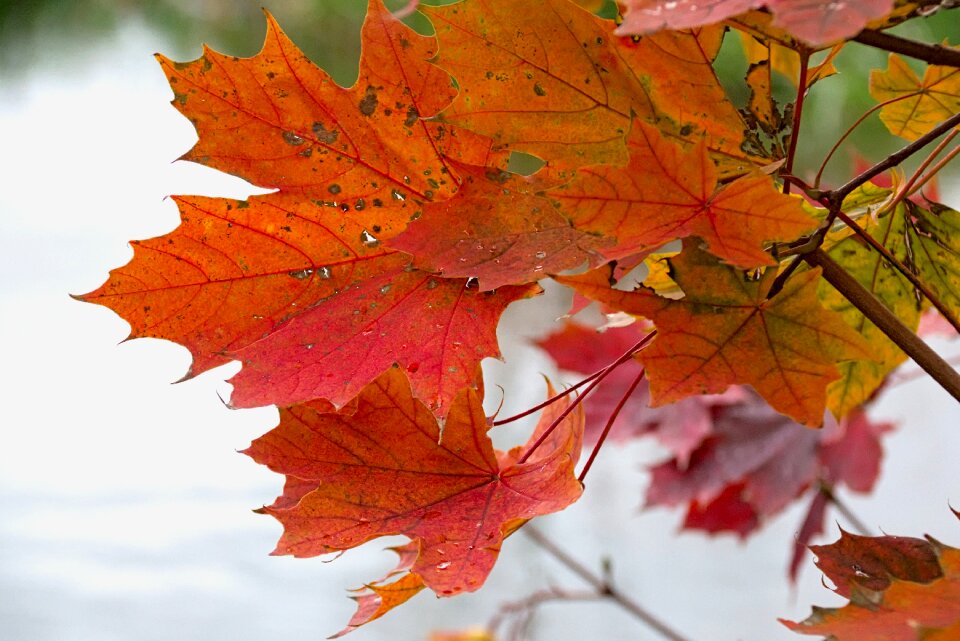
360,205
385,288
368,239
397,195
323,272
292,139
413,367
301,274
540,255
443,566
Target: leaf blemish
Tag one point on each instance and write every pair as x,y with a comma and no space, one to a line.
368,104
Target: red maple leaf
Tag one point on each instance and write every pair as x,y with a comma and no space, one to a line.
381,466
900,589
298,284
755,462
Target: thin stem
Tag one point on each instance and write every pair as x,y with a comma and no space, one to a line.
894,159
933,54
907,187
603,587
900,267
579,399
797,113
606,428
852,128
550,401
923,180
887,322
858,525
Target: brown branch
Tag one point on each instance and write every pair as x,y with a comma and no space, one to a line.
933,54
887,322
602,586
524,609
837,195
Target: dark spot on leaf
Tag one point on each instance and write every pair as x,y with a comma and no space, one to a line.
412,116
324,135
292,139
538,89
334,188
368,104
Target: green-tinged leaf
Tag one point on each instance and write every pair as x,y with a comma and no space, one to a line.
859,379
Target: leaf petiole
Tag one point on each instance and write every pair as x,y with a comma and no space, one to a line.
596,381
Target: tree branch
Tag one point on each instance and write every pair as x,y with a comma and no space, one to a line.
933,54
884,319
837,195
602,586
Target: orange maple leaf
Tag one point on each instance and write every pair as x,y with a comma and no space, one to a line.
381,466
666,192
498,230
557,82
725,331
298,283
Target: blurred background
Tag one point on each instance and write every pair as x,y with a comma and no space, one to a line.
126,509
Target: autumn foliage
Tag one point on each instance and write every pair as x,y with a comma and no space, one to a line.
363,292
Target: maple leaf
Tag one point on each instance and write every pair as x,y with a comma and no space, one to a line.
666,192
900,589
725,331
555,81
381,466
680,426
498,230
817,22
933,234
860,379
753,462
916,106
379,597
298,284
752,465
